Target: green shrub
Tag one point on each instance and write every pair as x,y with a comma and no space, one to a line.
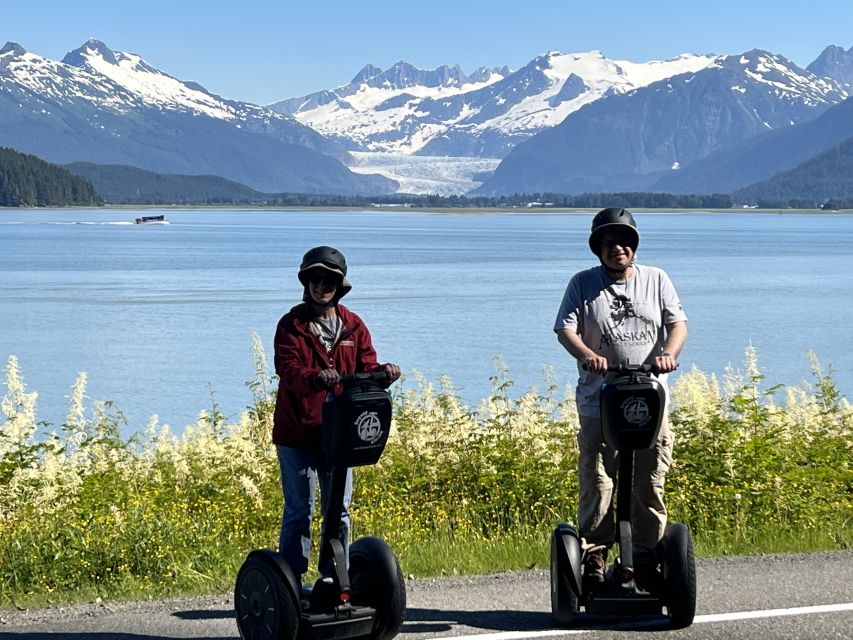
85,512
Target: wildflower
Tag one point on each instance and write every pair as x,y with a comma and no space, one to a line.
19,408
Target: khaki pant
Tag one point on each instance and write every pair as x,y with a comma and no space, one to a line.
598,467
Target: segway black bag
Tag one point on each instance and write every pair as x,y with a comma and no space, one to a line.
632,406
356,424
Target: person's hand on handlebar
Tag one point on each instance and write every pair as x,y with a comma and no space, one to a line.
596,364
391,370
665,362
327,378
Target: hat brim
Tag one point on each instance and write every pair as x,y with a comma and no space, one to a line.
596,236
344,286
318,266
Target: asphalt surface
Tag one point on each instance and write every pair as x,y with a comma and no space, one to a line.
786,596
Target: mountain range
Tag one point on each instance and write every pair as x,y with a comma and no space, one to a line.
563,123
569,123
102,106
445,112
648,139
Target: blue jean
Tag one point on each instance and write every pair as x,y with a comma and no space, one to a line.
300,471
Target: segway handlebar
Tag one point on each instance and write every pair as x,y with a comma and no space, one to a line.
361,376
629,368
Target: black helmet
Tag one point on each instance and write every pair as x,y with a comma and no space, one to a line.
329,259
613,219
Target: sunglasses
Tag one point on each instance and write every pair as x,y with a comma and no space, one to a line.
623,240
327,279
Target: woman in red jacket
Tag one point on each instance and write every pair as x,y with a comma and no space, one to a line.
315,343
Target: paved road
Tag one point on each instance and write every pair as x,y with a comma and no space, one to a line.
787,596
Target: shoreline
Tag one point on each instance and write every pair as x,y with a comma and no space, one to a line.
525,211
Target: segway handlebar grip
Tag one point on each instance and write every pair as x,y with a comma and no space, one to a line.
375,376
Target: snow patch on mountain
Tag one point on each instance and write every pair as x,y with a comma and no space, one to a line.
58,81
122,82
787,80
153,87
599,74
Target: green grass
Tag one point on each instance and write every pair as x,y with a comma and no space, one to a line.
439,555
530,550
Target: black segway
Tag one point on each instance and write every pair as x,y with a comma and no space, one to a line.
632,406
368,599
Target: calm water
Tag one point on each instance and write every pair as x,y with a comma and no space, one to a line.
160,317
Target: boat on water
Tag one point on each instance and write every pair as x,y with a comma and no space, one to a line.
161,219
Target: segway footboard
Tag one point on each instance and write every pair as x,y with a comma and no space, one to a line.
624,604
345,621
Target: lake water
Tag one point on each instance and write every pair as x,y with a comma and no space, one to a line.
160,317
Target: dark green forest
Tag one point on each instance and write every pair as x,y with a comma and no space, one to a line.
28,181
826,179
121,184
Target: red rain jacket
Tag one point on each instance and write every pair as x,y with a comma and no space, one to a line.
299,356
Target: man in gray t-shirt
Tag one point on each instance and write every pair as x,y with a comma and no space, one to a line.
619,312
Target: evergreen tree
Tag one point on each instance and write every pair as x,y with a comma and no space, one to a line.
28,181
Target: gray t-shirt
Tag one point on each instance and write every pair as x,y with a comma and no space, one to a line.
624,322
327,329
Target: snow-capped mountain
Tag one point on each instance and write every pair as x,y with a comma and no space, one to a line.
447,113
402,77
103,106
631,141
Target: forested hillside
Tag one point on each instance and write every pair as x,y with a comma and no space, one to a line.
828,176
120,184
28,181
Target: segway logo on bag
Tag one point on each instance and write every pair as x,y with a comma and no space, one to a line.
368,427
636,411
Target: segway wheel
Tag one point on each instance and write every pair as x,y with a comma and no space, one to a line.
565,574
679,575
377,581
266,606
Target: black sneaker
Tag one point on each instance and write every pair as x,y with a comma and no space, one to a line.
324,595
647,577
594,566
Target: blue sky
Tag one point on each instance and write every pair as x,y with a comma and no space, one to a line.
263,51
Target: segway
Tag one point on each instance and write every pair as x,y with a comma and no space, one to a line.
632,406
368,600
